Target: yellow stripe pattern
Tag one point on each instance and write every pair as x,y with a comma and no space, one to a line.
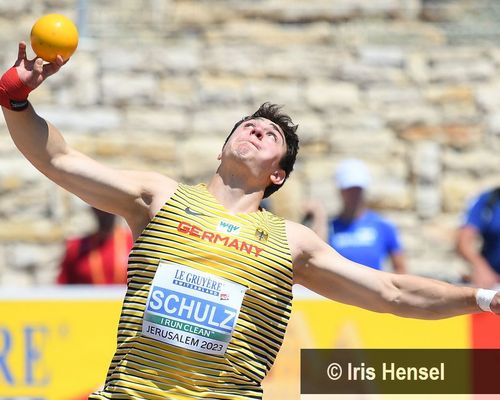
185,232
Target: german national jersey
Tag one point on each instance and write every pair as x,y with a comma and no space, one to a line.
207,303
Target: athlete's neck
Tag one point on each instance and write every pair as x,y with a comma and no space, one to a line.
233,196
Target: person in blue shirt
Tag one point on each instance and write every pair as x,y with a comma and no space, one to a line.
482,224
358,233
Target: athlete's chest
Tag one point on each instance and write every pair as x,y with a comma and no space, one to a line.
215,234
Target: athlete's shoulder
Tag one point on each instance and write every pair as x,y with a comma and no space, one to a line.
271,216
198,189
155,189
299,235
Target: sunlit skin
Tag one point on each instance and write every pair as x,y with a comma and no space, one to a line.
251,156
257,139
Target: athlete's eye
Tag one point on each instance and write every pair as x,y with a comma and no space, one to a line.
273,135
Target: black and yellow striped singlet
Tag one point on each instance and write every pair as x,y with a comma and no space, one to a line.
208,301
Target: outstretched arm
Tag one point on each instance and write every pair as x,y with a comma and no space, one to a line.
136,196
320,268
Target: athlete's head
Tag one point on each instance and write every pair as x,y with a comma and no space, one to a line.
273,113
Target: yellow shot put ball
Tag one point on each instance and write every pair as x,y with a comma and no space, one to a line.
52,35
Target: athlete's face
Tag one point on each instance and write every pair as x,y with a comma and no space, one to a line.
260,134
260,142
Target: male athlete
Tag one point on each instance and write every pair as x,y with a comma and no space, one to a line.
210,276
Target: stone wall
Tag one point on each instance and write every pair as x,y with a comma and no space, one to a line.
158,85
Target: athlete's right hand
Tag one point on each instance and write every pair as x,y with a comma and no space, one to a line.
33,72
26,75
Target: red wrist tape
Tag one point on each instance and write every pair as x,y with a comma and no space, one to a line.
13,92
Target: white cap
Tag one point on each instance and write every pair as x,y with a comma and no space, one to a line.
352,173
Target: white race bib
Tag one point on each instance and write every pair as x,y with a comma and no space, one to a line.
192,309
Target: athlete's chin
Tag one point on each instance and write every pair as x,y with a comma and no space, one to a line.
244,150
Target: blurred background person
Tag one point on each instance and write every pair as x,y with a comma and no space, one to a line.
478,239
100,257
357,233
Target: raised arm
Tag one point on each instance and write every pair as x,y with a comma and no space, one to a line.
321,269
136,196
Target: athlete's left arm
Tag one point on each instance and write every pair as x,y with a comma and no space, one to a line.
321,269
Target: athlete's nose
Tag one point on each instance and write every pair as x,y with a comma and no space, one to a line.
257,132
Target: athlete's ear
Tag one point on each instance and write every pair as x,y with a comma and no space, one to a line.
278,177
219,157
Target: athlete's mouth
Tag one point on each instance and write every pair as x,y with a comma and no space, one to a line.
252,143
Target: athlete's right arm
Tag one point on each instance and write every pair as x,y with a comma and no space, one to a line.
136,196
